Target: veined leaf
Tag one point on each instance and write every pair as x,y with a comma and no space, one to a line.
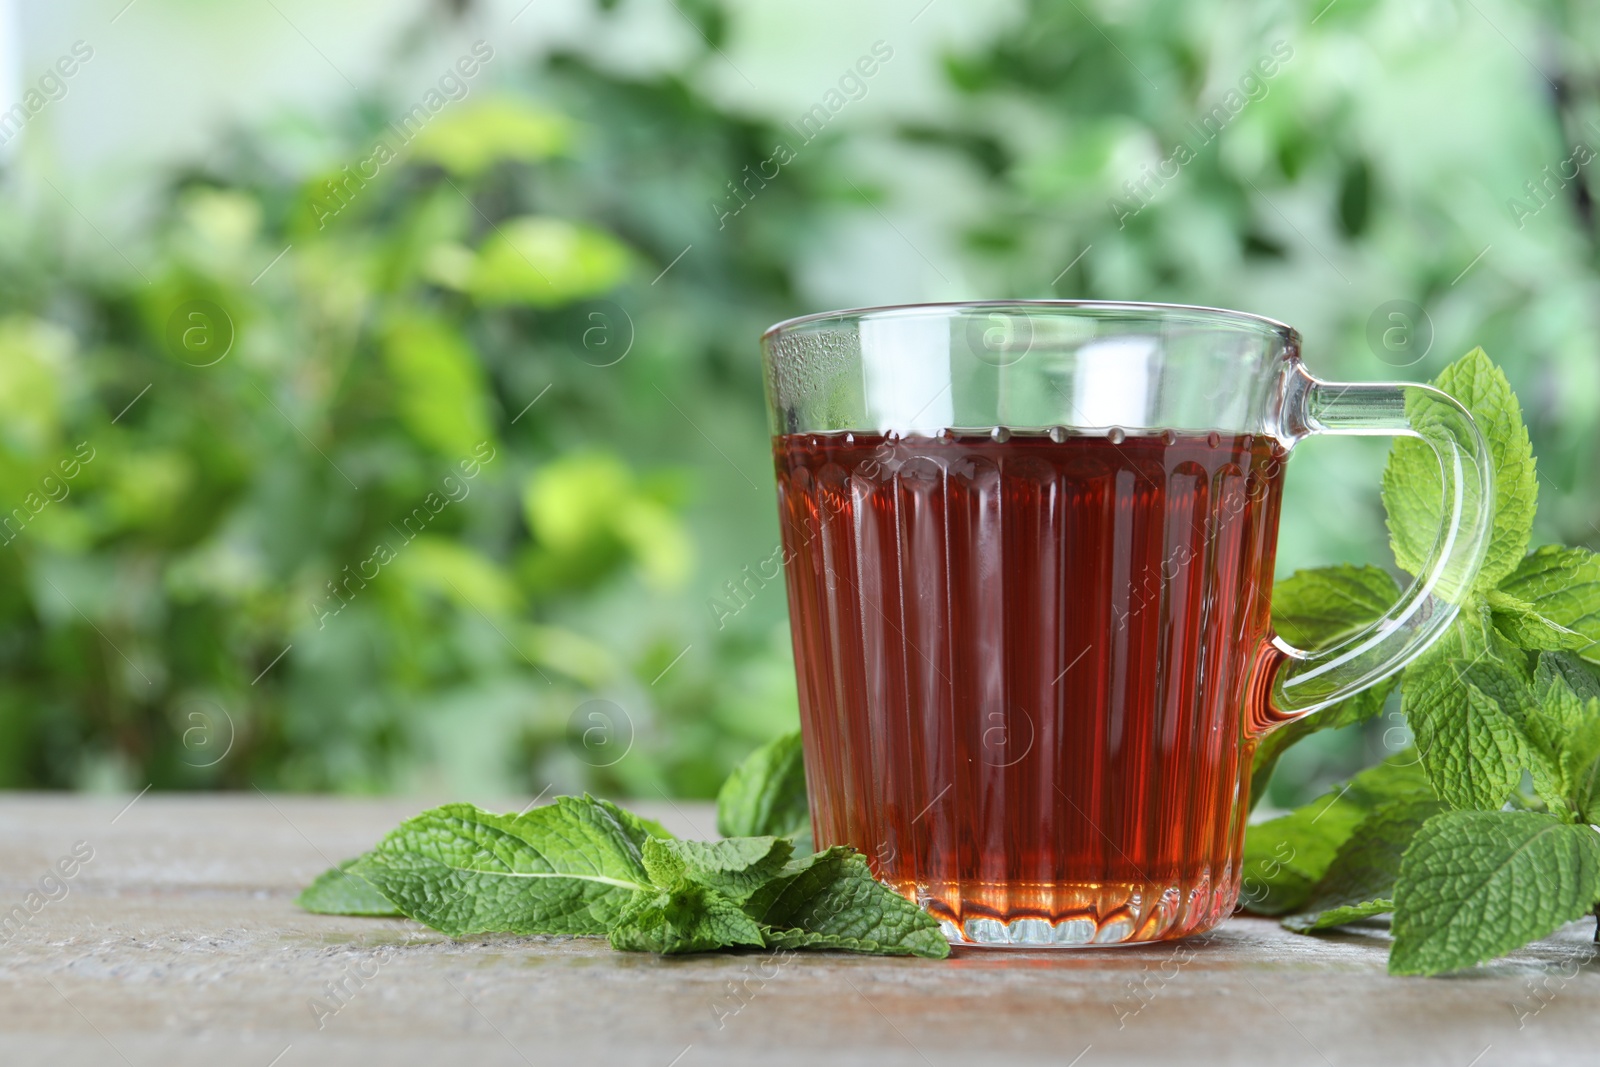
1478,884
1412,487
566,868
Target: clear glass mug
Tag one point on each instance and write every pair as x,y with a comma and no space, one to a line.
1029,554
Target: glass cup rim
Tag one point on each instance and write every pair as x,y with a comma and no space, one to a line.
1220,317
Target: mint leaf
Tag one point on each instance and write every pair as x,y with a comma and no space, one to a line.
735,868
1359,883
1475,885
1522,624
1413,492
689,917
1349,711
766,794
1343,915
1562,585
1285,858
338,892
830,900
1565,725
1312,610
566,868
1470,747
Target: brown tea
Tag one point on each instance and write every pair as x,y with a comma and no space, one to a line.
1022,668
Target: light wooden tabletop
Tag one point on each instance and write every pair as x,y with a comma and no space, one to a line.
177,943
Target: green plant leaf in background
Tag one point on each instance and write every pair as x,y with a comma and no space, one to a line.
470,138
546,262
766,794
438,383
1313,609
587,509
1475,885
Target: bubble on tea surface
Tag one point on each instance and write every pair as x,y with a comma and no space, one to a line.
1000,435
1214,439
1116,435
1169,437
1058,434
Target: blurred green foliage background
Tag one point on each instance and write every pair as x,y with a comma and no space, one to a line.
421,473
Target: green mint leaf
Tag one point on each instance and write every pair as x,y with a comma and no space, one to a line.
1313,609
1349,711
830,900
1359,883
1573,672
1285,858
1472,749
1512,695
1314,922
636,828
1412,490
735,868
1475,885
766,794
566,868
689,917
338,892
1522,624
1565,725
1563,586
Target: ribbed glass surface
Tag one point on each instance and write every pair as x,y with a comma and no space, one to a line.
1022,668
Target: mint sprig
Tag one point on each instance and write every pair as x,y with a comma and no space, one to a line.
581,866
1471,864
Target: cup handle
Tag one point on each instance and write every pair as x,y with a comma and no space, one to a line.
1302,682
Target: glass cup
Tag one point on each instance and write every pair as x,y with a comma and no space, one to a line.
1029,554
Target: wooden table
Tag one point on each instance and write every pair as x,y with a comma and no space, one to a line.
177,943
